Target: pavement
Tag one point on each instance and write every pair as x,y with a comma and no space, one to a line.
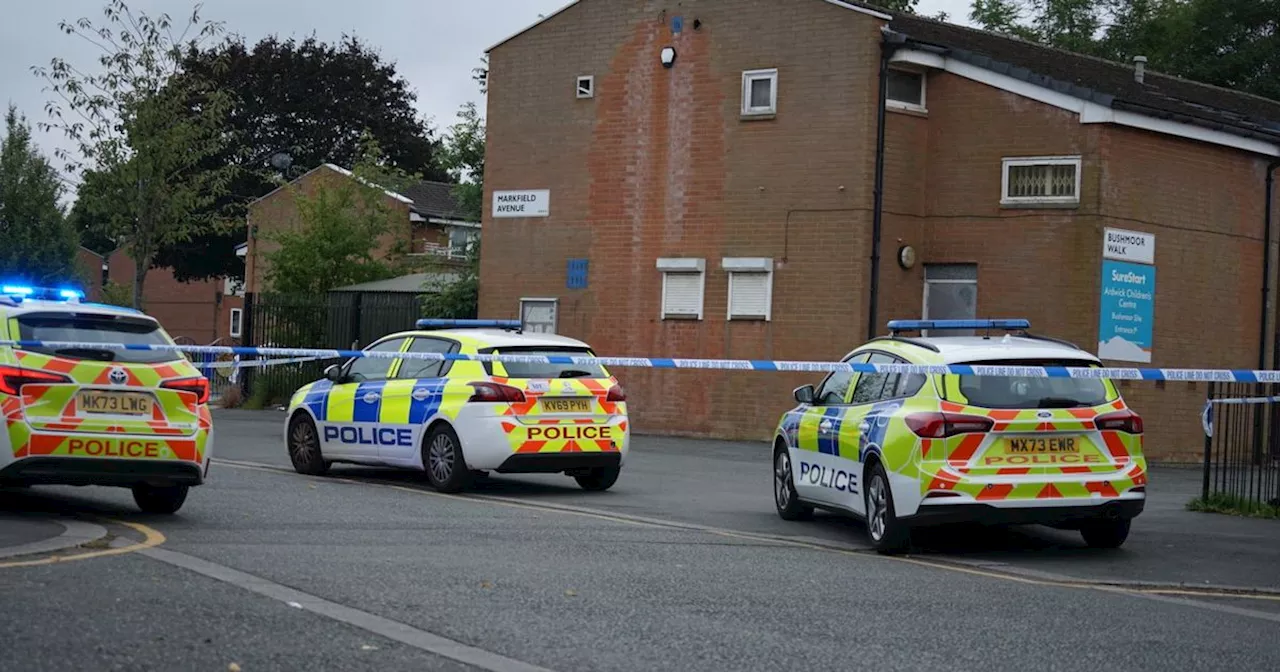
683,565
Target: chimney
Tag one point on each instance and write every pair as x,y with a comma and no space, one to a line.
1139,68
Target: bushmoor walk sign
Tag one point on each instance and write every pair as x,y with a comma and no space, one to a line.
1126,312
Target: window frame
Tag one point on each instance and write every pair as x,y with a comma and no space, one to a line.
683,266
235,328
1019,161
820,390
750,76
454,346
735,266
346,368
591,87
924,299
895,104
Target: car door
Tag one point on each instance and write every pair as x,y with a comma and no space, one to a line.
355,404
822,428
866,421
411,397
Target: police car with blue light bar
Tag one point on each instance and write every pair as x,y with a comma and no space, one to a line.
91,413
412,406
904,450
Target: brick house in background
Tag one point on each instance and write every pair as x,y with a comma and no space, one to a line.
698,179
92,268
430,219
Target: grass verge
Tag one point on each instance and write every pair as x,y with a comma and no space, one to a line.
1234,506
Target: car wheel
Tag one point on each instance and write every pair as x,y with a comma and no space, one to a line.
304,447
785,498
442,459
888,534
1108,533
598,479
160,499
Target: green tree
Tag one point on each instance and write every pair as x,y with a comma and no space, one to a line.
143,127
1229,43
337,240
462,157
455,291
39,243
312,101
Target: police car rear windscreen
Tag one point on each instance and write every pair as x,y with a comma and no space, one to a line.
542,370
1023,393
86,330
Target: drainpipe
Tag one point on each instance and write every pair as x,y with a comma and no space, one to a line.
890,43
1266,268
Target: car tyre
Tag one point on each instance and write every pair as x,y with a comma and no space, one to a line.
1107,533
160,499
598,479
442,459
888,534
785,498
304,447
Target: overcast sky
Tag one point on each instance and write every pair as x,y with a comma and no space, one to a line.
434,43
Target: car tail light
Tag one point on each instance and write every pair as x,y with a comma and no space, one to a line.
13,378
196,386
496,392
1124,421
942,425
616,393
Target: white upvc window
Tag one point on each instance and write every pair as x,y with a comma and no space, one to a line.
586,87
905,90
1040,180
237,319
750,287
760,92
683,286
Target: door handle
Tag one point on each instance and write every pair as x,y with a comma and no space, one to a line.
864,427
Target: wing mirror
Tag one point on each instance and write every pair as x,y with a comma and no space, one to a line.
805,394
333,373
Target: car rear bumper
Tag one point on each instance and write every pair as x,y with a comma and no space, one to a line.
101,471
1065,515
554,463
507,445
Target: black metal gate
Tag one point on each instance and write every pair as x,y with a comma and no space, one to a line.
337,320
1242,444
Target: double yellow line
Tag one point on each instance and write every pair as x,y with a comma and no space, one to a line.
151,539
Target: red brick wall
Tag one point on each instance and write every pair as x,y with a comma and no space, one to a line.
660,164
184,309
278,211
89,266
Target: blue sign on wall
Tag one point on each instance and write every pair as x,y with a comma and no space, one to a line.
576,274
1127,312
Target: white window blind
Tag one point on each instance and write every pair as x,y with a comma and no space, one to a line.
682,295
749,295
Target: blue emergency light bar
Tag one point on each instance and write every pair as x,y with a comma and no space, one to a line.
468,324
896,326
47,293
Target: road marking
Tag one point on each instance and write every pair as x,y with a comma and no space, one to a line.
1160,592
151,539
385,627
74,533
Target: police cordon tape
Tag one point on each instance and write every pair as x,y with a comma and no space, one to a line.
1206,414
1176,375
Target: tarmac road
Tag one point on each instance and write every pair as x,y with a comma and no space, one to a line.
683,566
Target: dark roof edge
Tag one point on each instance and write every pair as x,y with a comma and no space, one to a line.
1086,93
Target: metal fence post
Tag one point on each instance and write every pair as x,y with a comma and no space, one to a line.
1208,446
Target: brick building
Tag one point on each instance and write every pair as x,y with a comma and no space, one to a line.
688,178
429,217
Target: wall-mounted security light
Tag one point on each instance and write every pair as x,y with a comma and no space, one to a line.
668,57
